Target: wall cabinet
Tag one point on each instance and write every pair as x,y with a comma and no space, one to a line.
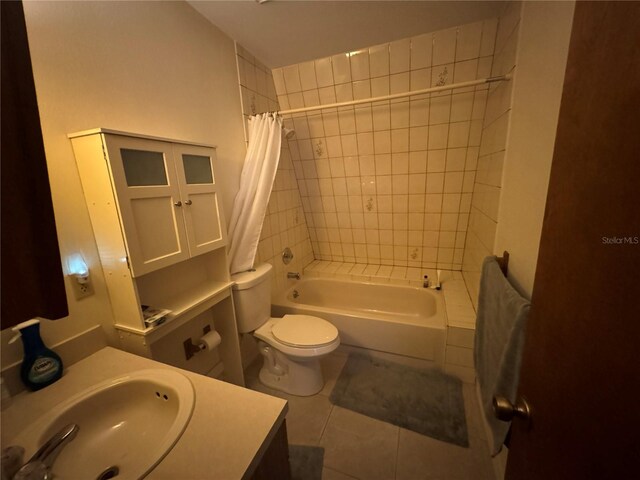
161,235
167,199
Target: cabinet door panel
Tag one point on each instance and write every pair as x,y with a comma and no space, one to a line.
202,213
147,190
155,223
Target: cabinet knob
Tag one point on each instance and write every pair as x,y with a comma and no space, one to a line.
178,203
188,202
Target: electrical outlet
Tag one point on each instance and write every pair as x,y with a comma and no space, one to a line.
80,290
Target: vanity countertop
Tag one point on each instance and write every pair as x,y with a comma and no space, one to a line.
229,431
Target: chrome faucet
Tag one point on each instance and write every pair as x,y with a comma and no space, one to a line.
39,466
295,275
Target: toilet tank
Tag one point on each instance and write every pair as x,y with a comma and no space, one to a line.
252,297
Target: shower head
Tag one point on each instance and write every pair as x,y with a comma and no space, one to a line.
289,133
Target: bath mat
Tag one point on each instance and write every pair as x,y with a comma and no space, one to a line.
306,462
426,401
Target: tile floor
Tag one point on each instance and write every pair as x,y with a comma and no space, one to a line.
360,447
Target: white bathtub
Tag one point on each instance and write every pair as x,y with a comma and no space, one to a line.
391,318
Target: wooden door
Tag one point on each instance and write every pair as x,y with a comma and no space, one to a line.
199,190
581,364
149,202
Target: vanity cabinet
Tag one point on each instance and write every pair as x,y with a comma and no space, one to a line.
160,231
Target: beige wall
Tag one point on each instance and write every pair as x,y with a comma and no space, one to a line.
156,68
545,30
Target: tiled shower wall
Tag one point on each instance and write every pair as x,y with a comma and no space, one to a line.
284,224
390,183
486,195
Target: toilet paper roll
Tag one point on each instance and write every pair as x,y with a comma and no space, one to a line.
210,340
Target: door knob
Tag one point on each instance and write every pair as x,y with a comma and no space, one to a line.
188,202
178,203
504,410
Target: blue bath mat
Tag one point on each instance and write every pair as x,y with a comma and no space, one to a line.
426,401
306,462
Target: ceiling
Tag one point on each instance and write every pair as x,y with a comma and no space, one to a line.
281,32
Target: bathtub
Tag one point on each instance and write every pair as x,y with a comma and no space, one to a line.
391,318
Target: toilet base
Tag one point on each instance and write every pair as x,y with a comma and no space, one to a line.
301,378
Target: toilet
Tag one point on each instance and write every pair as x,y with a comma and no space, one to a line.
291,346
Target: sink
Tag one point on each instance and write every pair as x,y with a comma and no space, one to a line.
127,425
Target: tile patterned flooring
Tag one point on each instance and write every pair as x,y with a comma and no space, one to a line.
360,447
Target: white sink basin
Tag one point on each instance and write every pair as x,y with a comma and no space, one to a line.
129,422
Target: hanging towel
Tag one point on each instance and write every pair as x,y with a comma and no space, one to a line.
499,339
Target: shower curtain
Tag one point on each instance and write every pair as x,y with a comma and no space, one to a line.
256,182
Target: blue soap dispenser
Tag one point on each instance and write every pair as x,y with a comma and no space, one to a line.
41,366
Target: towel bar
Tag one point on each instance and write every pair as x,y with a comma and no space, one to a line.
503,261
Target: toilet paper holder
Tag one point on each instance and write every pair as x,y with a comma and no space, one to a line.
190,349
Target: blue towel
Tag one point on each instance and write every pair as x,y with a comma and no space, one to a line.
502,314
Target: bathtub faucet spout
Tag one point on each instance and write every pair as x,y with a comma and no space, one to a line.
295,275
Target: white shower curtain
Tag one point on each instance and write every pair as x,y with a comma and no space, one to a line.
256,182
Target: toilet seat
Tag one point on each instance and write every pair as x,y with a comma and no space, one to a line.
316,346
304,331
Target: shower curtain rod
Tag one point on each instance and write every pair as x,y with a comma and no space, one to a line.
399,95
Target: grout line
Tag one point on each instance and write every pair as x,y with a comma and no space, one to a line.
324,428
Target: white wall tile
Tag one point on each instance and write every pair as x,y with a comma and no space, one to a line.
307,72
399,83
419,112
359,65
444,46
461,106
382,141
380,86
327,95
365,143
341,68
347,121
296,100
399,56
420,79
399,114
361,89
458,134
400,140
440,110
421,47
468,43
311,98
364,120
344,92
489,28
330,120
292,79
465,71
324,72
438,136
379,60
391,181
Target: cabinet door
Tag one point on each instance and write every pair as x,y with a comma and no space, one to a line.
202,212
149,202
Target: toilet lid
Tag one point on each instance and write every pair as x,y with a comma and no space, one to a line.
304,331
